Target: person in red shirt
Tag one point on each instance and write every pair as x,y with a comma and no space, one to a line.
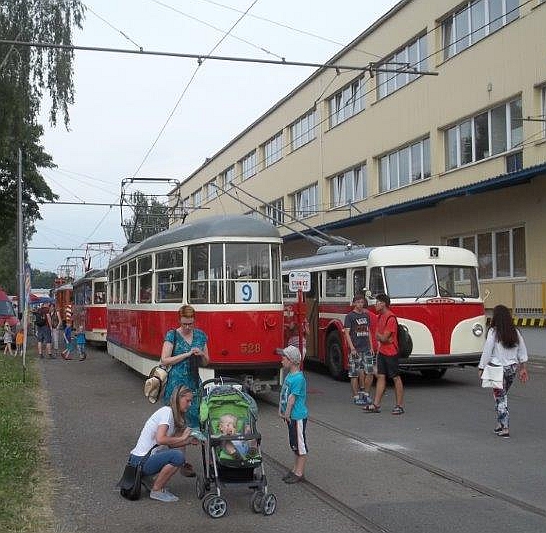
387,357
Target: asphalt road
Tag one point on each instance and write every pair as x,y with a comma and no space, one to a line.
437,468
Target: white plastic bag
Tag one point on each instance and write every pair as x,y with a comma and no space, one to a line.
492,377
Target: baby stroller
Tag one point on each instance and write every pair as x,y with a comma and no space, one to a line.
234,457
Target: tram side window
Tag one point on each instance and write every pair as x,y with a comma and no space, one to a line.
216,273
376,281
131,297
336,283
100,293
169,274
145,279
123,284
276,273
198,265
286,293
359,281
410,281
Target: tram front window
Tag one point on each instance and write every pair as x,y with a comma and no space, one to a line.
410,281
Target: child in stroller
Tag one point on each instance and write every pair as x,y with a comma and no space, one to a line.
232,451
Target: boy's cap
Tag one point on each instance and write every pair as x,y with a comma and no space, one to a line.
292,353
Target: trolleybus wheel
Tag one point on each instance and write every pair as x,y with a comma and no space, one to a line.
215,506
269,504
433,373
334,356
256,501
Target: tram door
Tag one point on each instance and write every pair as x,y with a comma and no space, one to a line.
312,314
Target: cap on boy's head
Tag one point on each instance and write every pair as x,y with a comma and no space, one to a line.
292,353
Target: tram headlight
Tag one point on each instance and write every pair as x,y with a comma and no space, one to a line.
477,329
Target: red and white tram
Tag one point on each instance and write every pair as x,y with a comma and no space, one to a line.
228,268
89,308
434,291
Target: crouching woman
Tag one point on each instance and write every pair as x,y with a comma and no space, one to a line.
167,429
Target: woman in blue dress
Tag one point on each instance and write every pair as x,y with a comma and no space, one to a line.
185,350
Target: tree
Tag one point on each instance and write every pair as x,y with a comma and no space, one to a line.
42,280
148,218
26,75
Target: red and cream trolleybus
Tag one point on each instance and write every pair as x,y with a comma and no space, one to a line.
434,291
228,269
89,309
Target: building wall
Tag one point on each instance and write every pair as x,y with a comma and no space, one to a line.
505,65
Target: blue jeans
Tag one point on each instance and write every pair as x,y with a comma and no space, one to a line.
158,460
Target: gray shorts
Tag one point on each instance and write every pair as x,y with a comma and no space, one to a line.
361,362
43,334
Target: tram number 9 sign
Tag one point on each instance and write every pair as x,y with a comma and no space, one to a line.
247,292
299,280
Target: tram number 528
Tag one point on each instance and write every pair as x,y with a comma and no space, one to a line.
250,348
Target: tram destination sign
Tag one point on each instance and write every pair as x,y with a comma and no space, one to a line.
299,280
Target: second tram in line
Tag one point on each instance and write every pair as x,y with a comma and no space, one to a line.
434,291
89,310
228,269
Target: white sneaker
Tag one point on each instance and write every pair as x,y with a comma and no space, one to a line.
163,496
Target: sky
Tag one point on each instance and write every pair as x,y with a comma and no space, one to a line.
123,102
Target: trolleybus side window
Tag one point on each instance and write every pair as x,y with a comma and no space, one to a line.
144,289
198,264
415,281
169,271
132,295
336,283
376,281
359,281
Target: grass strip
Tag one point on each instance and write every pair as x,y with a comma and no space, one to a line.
23,461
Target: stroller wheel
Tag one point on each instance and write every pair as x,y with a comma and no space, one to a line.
269,504
215,506
256,501
200,487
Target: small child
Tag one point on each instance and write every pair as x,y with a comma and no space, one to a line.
8,339
227,425
19,339
67,334
80,342
293,409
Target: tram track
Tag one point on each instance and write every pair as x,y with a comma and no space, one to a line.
418,463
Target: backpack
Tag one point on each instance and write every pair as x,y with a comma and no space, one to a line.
405,344
54,320
40,320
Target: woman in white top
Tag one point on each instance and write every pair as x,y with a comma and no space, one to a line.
504,347
167,428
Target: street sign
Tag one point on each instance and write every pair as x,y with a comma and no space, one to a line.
299,280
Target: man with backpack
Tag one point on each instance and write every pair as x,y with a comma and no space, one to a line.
42,321
387,357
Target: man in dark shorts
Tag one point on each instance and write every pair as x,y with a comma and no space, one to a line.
42,321
387,357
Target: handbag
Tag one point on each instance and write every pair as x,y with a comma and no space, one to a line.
130,484
493,377
155,383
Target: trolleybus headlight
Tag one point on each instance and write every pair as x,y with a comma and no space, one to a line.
477,330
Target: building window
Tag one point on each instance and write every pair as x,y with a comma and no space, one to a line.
501,253
303,130
412,56
349,186
347,102
306,202
489,133
475,20
404,166
196,198
273,150
186,204
211,190
248,164
227,177
275,212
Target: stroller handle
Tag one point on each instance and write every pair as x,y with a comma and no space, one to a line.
220,380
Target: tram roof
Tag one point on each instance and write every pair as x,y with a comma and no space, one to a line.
204,228
94,273
329,255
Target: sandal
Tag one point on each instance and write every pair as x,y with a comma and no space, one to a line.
372,408
397,410
187,470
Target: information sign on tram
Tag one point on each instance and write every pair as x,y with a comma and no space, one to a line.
299,280
247,292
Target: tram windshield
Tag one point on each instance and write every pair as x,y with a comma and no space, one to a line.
429,281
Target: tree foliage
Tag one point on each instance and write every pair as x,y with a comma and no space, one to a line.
149,217
27,74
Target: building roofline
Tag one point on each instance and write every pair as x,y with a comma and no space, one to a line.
501,181
381,20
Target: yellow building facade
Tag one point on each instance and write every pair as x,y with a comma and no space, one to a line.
441,141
